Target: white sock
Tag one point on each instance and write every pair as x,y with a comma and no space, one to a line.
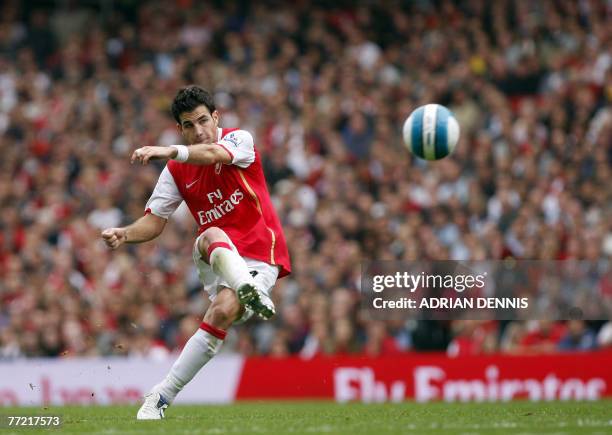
230,266
200,349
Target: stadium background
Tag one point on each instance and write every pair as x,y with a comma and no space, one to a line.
325,91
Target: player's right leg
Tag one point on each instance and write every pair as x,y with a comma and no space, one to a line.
198,351
217,250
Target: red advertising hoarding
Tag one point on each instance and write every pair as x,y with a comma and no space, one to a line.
576,376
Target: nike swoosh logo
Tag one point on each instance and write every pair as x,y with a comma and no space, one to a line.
187,186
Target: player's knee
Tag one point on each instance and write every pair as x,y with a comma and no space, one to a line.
218,315
209,236
223,315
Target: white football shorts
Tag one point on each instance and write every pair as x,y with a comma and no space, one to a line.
264,274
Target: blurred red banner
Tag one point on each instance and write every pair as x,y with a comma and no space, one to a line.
575,376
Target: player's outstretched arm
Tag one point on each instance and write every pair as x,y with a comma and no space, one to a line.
198,154
144,229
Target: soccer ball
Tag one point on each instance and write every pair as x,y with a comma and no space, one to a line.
431,132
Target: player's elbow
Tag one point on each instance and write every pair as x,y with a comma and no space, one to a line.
158,230
208,154
155,225
214,154
156,233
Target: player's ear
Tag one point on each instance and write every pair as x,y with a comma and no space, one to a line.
215,117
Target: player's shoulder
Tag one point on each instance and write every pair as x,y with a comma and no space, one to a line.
236,135
226,131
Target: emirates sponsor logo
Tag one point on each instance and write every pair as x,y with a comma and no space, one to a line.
433,383
221,206
352,383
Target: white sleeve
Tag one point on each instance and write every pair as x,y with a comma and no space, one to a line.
240,145
166,197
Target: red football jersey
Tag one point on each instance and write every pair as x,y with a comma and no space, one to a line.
232,197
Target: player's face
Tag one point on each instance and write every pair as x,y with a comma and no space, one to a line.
199,125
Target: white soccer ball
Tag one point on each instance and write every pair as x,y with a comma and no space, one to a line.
431,132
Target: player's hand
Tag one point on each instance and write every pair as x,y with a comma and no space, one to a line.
114,237
144,154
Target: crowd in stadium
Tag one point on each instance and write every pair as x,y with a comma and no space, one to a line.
325,91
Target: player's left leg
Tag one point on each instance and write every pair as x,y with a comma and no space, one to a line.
220,268
216,249
199,349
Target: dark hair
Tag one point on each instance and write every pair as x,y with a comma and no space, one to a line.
190,97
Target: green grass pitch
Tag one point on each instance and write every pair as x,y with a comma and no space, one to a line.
331,418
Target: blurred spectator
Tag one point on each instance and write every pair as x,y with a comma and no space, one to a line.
379,342
542,336
472,337
511,338
604,338
578,337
